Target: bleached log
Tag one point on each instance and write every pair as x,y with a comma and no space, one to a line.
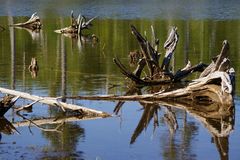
54,102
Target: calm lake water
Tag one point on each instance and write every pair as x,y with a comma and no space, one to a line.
69,67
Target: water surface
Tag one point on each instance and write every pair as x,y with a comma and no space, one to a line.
68,67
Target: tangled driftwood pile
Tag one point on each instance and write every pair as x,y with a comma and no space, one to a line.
214,85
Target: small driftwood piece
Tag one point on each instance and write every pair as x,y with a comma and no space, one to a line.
54,102
77,25
150,56
33,23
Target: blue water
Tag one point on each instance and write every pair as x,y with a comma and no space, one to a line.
124,9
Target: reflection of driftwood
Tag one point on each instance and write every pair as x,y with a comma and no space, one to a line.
33,23
150,56
33,68
6,103
131,91
170,119
35,34
77,25
148,114
6,127
53,120
55,102
217,118
2,28
222,146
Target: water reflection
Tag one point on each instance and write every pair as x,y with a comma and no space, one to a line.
6,127
217,119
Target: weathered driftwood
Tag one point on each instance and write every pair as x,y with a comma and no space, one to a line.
219,63
201,89
215,86
33,23
77,25
54,102
149,57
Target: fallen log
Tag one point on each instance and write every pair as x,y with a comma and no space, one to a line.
33,23
54,102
